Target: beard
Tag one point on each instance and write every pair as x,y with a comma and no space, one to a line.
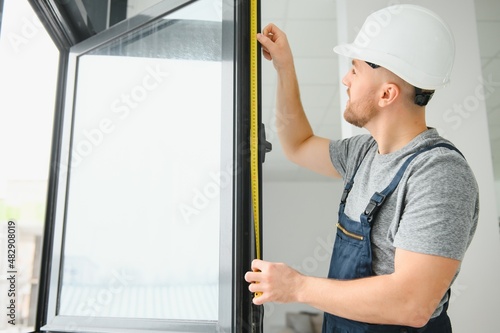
359,113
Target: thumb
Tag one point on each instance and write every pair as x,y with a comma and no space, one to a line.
266,42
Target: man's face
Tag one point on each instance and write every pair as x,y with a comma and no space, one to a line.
361,106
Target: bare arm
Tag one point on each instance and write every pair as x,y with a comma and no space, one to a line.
407,297
296,136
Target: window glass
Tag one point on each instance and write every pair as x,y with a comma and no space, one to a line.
143,208
92,16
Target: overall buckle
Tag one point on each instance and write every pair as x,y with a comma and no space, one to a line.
347,189
375,202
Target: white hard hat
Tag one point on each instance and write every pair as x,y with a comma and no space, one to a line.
410,41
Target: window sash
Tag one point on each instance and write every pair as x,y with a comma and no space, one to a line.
57,322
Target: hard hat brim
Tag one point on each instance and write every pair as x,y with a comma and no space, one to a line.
394,64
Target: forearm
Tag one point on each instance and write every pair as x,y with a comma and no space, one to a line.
291,121
299,143
408,297
376,300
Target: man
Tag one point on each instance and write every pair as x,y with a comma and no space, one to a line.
410,205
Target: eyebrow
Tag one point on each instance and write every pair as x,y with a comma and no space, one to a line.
354,61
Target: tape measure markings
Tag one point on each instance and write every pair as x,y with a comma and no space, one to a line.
254,125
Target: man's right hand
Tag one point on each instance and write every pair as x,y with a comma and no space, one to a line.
275,46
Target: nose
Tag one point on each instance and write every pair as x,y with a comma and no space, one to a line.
345,80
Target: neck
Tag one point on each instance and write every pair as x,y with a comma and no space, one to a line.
394,132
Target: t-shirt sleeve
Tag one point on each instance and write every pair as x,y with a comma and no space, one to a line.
441,207
346,154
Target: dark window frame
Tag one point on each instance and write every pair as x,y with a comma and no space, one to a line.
244,316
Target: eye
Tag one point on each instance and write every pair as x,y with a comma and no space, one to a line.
353,71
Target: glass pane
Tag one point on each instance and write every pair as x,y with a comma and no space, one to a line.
93,16
143,206
96,16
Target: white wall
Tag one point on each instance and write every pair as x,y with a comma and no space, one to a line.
497,192
299,225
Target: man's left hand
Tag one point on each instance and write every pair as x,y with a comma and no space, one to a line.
276,282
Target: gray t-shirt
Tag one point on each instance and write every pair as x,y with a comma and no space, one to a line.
434,210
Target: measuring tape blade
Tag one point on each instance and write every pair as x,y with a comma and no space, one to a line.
254,127
254,124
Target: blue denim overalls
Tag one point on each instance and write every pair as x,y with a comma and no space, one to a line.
352,259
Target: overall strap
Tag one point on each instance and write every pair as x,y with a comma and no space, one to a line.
350,183
378,197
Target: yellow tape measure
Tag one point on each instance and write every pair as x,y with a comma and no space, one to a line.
254,127
254,124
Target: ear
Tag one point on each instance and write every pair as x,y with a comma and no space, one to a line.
388,94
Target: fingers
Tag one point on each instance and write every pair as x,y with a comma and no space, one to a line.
271,29
267,45
270,34
258,264
266,54
260,297
275,46
259,300
255,288
255,275
273,282
254,278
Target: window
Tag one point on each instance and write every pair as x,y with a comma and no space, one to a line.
143,233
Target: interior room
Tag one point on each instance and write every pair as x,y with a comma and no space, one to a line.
122,263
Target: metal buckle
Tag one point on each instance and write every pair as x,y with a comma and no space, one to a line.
375,202
347,189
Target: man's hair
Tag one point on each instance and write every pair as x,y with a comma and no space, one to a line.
421,98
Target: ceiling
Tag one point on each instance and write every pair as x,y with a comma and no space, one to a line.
316,64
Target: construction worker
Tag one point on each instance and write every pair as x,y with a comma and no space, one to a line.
410,204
